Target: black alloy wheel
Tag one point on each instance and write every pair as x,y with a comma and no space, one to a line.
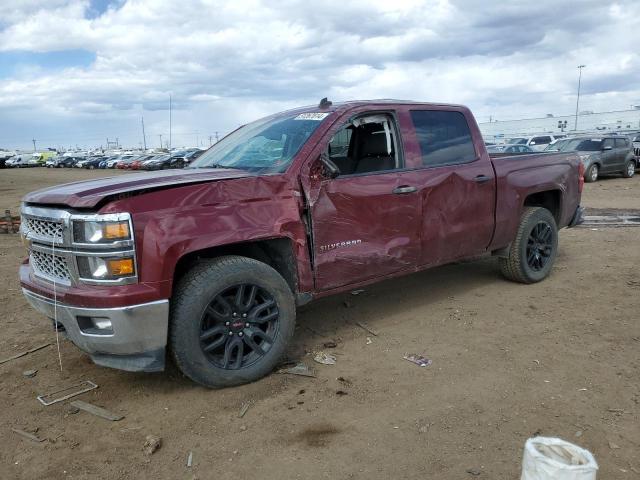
539,246
239,326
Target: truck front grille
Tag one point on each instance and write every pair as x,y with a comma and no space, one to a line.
51,265
44,229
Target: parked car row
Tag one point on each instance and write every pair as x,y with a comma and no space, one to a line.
600,155
126,161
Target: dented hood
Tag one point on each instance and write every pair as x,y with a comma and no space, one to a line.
88,193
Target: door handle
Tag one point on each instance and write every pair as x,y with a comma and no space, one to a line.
482,179
404,189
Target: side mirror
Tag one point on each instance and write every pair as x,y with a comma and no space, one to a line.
607,148
331,170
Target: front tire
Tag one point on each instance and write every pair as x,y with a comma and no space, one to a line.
592,174
533,251
231,321
629,169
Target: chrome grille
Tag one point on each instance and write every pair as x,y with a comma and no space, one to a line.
45,229
51,266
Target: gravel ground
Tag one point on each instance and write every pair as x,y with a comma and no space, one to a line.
558,358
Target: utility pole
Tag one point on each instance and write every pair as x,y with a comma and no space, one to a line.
169,122
144,137
580,67
216,137
210,140
160,135
34,144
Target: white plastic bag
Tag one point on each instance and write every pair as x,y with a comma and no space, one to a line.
554,459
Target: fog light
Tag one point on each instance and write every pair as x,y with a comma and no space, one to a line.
102,324
95,325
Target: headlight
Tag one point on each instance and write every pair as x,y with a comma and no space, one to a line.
106,268
101,232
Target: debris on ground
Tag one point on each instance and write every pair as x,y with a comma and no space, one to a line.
151,444
364,326
341,393
26,352
244,409
613,446
97,411
329,344
347,304
369,341
72,410
473,471
357,292
29,373
243,428
189,459
66,393
418,359
10,223
346,381
27,435
324,358
299,369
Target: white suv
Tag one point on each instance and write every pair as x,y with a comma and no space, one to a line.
537,142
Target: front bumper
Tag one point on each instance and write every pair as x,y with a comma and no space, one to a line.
135,341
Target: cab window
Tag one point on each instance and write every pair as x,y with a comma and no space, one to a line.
367,144
444,137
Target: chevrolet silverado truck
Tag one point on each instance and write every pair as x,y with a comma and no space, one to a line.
208,264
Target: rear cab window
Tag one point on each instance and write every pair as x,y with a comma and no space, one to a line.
444,137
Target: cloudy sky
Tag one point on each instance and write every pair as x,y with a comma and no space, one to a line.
79,71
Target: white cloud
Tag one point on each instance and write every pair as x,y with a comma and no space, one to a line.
228,62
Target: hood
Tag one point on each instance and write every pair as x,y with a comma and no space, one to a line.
88,193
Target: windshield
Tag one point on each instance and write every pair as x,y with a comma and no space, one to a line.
517,141
266,146
582,145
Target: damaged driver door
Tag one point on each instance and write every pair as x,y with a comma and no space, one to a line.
365,222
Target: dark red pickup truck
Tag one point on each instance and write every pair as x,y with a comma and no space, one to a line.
209,263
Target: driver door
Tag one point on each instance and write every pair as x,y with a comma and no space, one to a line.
366,222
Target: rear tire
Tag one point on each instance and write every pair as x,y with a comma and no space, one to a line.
592,174
629,169
208,336
533,251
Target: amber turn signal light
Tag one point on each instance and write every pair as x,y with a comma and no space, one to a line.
114,231
120,267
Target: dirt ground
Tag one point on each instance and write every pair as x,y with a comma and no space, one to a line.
559,358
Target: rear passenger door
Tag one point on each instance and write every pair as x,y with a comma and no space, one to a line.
457,185
622,150
609,156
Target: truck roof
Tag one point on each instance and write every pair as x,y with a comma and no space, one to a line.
334,106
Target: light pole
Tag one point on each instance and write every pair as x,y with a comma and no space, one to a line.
580,67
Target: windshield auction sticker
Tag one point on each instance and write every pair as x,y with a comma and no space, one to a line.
312,116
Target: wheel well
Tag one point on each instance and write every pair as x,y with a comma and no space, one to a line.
276,252
549,199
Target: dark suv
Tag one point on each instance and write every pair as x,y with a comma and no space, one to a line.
603,155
